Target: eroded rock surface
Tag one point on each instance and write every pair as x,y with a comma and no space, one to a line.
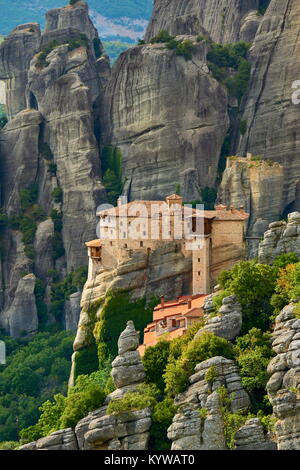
272,118
193,429
252,436
63,439
257,186
225,21
282,237
227,323
21,317
284,384
165,141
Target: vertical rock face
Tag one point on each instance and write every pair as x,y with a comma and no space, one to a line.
199,422
281,238
74,16
65,92
225,20
258,187
164,140
284,384
59,100
272,119
22,314
16,53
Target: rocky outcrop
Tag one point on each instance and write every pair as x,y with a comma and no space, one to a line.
225,21
252,436
72,312
123,431
127,368
257,186
65,92
128,431
282,237
100,431
165,141
272,118
146,275
284,384
64,439
199,423
16,53
62,95
21,317
227,323
74,16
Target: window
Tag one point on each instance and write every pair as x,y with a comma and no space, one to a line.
141,244
125,246
199,260
111,243
199,273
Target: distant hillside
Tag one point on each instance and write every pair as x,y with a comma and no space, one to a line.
113,18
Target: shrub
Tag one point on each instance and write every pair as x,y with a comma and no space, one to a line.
231,421
209,196
253,353
185,49
61,290
58,249
9,445
112,173
155,361
162,418
79,404
228,65
37,213
82,40
204,347
42,56
45,151
144,397
28,228
52,168
243,127
97,47
211,375
57,195
162,36
28,196
253,284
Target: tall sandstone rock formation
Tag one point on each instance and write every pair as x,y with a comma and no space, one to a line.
165,140
272,118
255,185
53,104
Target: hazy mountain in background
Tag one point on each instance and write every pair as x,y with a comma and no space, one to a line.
123,20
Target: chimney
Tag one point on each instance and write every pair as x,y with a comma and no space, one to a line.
162,301
190,304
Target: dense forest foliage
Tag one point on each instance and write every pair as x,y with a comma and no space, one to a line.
36,370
